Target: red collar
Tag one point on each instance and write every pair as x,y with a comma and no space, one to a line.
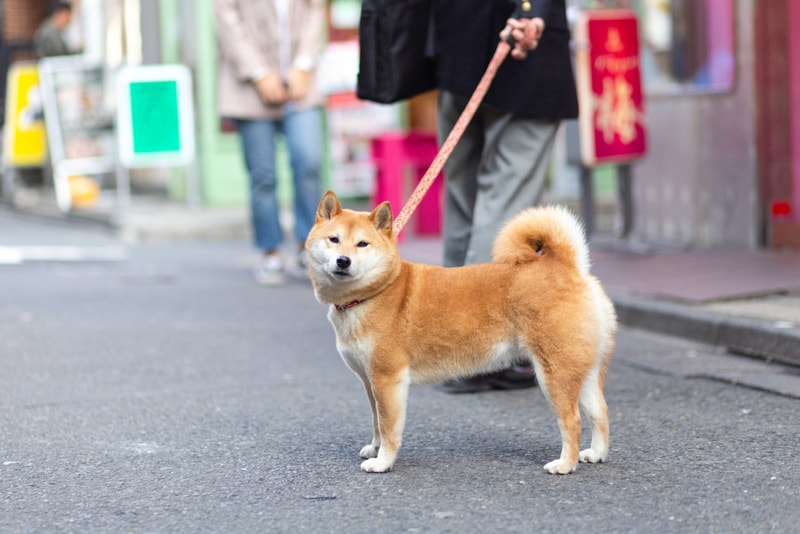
343,307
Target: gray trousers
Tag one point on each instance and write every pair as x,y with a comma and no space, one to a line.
497,169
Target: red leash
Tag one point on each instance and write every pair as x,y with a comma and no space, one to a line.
455,134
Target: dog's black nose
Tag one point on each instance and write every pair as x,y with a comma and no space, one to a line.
343,262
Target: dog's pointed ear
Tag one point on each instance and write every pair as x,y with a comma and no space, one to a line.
329,207
381,216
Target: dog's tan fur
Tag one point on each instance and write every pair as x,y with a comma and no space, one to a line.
398,323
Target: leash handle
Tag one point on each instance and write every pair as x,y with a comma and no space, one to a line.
455,134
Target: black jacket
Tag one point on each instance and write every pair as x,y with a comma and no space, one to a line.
463,41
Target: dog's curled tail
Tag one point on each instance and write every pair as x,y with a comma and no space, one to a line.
543,231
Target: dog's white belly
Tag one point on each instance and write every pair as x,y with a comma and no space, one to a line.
467,361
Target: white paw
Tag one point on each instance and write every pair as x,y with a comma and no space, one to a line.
559,467
376,465
369,451
592,456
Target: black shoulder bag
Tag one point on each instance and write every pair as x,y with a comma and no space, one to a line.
393,64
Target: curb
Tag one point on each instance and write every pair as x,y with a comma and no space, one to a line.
181,224
769,340
153,222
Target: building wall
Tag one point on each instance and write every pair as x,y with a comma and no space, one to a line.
188,36
698,184
224,178
22,17
778,98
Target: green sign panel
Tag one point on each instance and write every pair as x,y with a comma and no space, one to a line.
154,116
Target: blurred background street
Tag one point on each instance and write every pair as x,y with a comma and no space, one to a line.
149,385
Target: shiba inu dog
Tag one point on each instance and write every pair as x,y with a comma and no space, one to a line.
399,323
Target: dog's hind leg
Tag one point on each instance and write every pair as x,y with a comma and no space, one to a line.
594,404
569,422
390,393
562,390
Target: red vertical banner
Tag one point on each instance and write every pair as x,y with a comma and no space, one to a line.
609,82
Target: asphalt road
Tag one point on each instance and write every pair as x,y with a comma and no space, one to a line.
166,392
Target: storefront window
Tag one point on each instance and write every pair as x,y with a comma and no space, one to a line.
686,45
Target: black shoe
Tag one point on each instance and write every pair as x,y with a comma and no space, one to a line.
515,377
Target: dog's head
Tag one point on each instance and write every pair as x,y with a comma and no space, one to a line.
350,253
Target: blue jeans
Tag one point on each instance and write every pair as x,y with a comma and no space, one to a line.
302,130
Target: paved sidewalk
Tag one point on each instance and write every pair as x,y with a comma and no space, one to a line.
743,300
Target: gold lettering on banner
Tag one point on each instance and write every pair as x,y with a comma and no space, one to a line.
614,41
616,65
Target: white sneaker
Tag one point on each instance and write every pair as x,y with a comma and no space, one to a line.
270,271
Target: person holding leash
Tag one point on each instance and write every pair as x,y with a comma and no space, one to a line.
499,166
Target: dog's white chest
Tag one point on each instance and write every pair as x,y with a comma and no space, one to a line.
354,347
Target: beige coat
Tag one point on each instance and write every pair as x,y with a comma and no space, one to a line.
249,45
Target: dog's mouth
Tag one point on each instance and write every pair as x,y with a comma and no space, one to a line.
341,273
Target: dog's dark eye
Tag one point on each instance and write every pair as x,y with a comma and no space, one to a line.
362,244
333,239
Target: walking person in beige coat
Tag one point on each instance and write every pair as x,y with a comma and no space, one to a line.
268,52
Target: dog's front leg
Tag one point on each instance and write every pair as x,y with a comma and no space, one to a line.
390,393
371,450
